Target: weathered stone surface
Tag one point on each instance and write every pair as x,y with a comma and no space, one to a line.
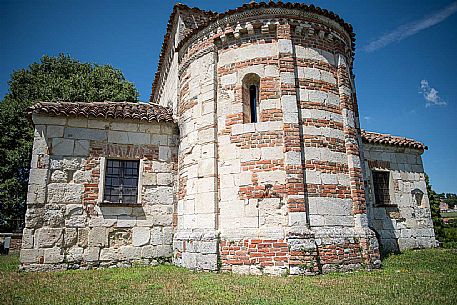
110,254
53,256
148,251
83,236
140,236
206,262
74,254
159,195
54,216
34,217
66,163
91,254
59,176
31,255
27,239
120,237
81,176
70,237
208,247
164,178
81,148
76,221
48,237
130,253
98,237
73,209
54,131
164,251
62,147
85,134
65,193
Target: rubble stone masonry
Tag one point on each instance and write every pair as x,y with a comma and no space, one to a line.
67,224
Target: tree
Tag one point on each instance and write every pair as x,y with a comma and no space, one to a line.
58,78
445,233
434,201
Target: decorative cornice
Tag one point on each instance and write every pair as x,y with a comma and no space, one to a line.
215,20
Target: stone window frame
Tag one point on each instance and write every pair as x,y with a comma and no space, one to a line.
391,188
101,182
250,79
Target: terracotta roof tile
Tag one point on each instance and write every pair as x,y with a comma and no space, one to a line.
113,110
387,139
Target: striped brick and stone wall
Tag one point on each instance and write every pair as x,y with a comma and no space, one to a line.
284,194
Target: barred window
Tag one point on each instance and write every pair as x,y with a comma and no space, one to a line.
121,181
381,188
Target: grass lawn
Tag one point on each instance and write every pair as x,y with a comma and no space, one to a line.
415,277
449,214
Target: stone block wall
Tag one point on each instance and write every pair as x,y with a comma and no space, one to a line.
406,223
195,241
67,224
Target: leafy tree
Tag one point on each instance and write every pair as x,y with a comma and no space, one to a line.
434,200
58,78
451,200
446,233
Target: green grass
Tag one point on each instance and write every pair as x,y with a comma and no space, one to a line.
415,277
449,214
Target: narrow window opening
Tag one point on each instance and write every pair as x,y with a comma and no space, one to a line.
251,98
381,188
253,102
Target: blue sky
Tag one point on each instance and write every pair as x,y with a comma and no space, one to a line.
406,57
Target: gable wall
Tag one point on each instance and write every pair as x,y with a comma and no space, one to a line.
407,224
66,224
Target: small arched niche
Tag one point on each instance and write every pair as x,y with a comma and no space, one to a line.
251,98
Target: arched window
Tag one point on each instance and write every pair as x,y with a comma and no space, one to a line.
251,100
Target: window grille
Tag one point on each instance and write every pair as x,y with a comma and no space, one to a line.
381,187
121,181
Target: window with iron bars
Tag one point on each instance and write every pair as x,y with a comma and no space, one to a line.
121,181
381,188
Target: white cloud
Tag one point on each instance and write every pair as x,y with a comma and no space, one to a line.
409,29
367,118
431,95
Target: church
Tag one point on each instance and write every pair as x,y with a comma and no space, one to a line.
248,158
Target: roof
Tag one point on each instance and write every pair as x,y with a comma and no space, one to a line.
387,139
113,110
193,18
196,19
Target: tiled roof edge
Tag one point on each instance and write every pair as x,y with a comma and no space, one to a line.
387,139
104,110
